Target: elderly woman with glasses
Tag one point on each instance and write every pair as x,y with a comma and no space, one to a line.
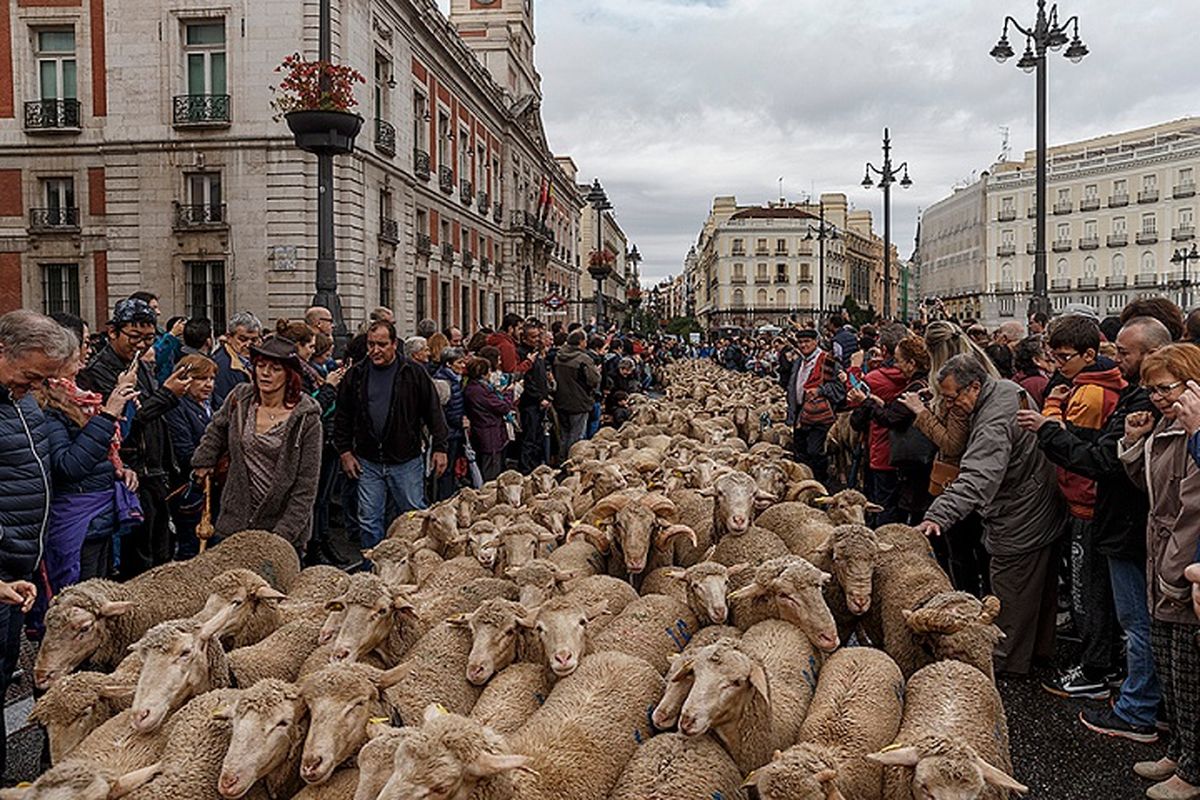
1156,458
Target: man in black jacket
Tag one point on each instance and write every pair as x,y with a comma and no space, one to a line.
382,405
146,447
1120,529
535,397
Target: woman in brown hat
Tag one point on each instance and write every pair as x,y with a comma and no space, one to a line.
271,432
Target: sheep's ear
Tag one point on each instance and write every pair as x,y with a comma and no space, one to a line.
737,569
459,620
211,628
752,780
433,711
335,606
597,609
115,608
16,793
750,591
376,729
898,757
488,764
268,593
685,672
369,555
999,778
403,606
884,547
389,678
824,579
134,780
707,491
223,714
873,508
116,691
675,572
758,679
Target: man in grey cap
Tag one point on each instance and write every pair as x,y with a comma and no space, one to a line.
815,392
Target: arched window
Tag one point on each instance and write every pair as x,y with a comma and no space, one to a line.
1089,267
739,298
1061,269
1006,272
760,298
1149,266
805,298
1118,265
781,298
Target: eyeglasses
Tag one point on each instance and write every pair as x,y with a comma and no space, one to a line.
1064,358
138,338
1164,389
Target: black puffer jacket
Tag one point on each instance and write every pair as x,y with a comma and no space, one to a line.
147,448
25,470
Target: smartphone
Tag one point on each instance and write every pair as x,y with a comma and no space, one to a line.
858,384
183,373
925,394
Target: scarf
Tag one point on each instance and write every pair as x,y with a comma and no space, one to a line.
89,403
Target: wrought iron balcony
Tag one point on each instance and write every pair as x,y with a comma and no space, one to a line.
1185,189
485,264
1089,204
1062,246
1145,280
468,260
1089,243
389,231
1006,215
483,203
782,252
385,137
52,115
781,279
1060,284
424,244
738,251
447,251
1004,287
1148,196
446,179
50,220
761,278
1116,282
1064,208
498,213
200,217
1088,283
421,164
466,191
201,110
1118,200
762,251
738,279
1184,233
805,277
1147,237
1118,239
1006,250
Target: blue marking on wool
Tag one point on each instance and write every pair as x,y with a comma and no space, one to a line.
541,698
682,627
718,796
637,736
650,717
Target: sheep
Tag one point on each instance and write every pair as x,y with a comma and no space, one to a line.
902,580
737,498
638,522
97,620
445,575
341,698
435,527
76,780
497,638
755,546
789,588
542,480
435,671
855,711
582,554
398,561
799,525
675,766
573,748
268,726
958,626
250,604
77,704
702,587
696,512
650,628
679,682
539,580
520,543
483,542
953,739
342,785
511,697
509,486
370,613
374,763
597,480
554,513
180,660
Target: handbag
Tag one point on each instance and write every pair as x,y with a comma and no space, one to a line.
942,476
910,447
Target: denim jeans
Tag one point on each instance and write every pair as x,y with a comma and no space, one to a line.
533,438
403,483
1138,703
593,423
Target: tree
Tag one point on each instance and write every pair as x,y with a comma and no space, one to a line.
682,326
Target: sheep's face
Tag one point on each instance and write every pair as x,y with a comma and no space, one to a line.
554,517
854,551
367,619
176,666
238,602
441,523
542,481
508,488
63,782
944,770
770,478
737,500
74,707
267,725
801,601
445,760
633,526
666,713
802,772
495,629
483,542
707,584
724,681
538,581
741,415
609,479
849,507
73,635
520,544
561,625
375,760
340,702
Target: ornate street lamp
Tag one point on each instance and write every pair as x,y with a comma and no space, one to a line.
599,267
1184,257
1047,33
887,176
822,232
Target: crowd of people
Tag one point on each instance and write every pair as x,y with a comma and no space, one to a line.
126,448
1044,459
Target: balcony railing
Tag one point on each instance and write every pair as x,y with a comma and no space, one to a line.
201,110
385,137
1062,246
52,115
421,164
446,179
1060,284
762,251
1004,287
1088,283
1148,196
389,231
1116,282
738,251
1006,215
466,191
1185,189
781,278
424,244
207,215
1145,280
1089,204
46,220
497,213
782,253
483,203
1089,243
468,260
1118,200
1064,208
447,251
485,264
1118,239
806,277
1006,250
1184,233
1147,237
738,279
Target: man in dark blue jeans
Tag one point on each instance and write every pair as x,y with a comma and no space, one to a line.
535,398
32,349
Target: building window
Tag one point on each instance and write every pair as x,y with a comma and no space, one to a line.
445,139
1064,231
1119,226
204,44
739,298
1008,237
1120,188
422,298
761,247
1149,223
1089,267
444,312
739,247
739,272
1006,204
781,273
1064,196
1118,266
383,77
760,298
56,64
205,283
483,310
420,121
60,209
60,288
1091,192
387,277
203,199
1187,217
1149,182
464,154
1089,229
1061,268
760,274
464,316
781,247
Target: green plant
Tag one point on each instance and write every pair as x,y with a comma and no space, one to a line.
314,86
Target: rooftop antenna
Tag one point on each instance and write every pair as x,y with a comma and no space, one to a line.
1005,147
782,199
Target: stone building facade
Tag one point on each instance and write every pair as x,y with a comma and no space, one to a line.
144,155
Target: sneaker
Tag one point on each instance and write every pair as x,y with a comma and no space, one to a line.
1106,721
1075,683
1173,788
1155,770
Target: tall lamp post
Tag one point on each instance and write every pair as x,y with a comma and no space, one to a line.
1184,257
634,292
598,268
887,176
1047,33
327,282
822,232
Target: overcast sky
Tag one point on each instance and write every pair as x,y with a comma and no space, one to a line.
670,102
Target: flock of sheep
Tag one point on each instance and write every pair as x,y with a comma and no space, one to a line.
637,629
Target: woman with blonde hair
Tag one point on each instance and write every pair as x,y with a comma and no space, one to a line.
1156,459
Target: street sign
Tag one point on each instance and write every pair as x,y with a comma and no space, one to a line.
554,302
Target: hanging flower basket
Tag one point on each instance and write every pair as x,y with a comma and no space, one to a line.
316,98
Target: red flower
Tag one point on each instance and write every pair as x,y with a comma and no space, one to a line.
314,86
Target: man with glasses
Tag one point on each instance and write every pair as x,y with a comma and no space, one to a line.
145,446
320,320
1006,479
233,356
